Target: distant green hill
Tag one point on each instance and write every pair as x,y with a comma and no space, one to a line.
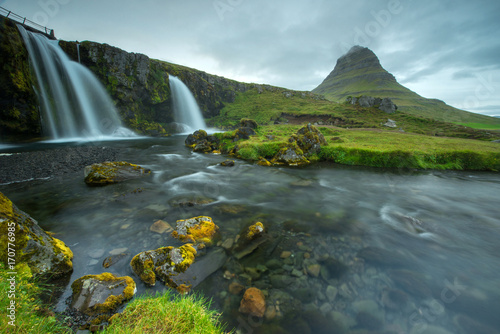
359,72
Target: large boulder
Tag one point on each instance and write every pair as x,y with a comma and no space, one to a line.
112,172
163,264
95,295
253,303
200,141
386,105
21,236
248,123
290,155
309,139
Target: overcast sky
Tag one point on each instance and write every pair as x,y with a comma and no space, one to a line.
446,49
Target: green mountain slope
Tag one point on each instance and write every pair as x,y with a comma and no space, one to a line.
359,72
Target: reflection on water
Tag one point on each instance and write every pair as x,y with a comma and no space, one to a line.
350,250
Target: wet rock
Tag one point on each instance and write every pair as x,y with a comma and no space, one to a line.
236,288
114,259
163,263
285,254
227,163
200,230
112,172
314,269
161,227
117,251
248,123
333,267
250,238
96,253
343,321
254,231
369,314
253,303
195,138
280,281
228,244
46,256
270,313
429,329
273,264
264,162
394,299
331,293
186,202
98,294
368,321
202,268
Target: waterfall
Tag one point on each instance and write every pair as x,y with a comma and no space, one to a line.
73,102
186,110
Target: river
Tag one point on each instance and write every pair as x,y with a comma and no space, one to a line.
398,251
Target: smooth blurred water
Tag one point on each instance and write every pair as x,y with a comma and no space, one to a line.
439,232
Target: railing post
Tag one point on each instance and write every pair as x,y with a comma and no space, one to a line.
9,13
24,21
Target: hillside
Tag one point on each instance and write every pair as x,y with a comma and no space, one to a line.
359,72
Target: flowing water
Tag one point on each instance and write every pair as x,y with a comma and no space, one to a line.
74,103
398,251
186,109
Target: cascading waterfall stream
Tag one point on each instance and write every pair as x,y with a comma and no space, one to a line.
74,103
186,110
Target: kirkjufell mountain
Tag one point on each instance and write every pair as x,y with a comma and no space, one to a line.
359,72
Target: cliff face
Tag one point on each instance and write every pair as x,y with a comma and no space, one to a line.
140,85
19,114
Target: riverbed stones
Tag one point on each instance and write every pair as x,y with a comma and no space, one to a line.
46,256
109,172
161,227
98,294
253,303
162,263
199,230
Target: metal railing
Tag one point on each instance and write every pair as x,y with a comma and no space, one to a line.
27,23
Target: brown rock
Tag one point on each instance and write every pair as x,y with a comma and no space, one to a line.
314,270
270,313
253,303
235,288
285,254
161,227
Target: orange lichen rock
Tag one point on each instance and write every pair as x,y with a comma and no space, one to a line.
255,230
199,230
253,303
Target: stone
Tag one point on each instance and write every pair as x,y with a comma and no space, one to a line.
248,123
195,138
314,270
297,273
325,308
394,299
191,201
161,227
111,260
253,303
366,101
117,251
280,281
369,314
309,139
96,253
227,163
331,293
200,230
270,313
290,155
285,254
228,244
254,231
101,174
343,321
163,263
387,106
94,295
235,288
46,256
390,123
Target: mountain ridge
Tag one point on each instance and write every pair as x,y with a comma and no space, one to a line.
359,72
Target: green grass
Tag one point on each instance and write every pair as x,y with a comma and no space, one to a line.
379,148
482,126
166,314
29,309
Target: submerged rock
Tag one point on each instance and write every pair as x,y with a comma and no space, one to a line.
161,227
112,172
163,263
46,256
253,303
199,230
94,295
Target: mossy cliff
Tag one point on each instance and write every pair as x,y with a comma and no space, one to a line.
140,87
19,114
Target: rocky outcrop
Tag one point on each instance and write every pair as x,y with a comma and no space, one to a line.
101,174
19,114
97,295
385,104
21,236
199,230
140,85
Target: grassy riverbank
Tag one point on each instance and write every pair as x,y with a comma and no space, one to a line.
377,148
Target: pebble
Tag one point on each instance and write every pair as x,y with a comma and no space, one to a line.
235,288
331,293
161,227
314,269
285,254
297,273
125,226
96,253
307,256
228,244
325,308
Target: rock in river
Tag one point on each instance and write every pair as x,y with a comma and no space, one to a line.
112,172
253,303
200,230
46,256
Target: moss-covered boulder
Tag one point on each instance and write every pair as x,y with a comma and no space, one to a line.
200,141
112,172
309,139
98,296
248,123
290,155
163,264
46,256
199,230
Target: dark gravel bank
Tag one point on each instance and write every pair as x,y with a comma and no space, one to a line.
50,163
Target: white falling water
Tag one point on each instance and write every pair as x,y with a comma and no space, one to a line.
74,103
186,110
